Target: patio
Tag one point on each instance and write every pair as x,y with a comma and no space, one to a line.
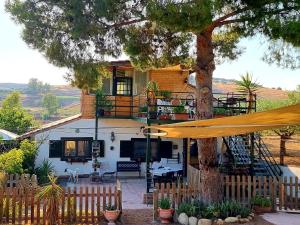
133,190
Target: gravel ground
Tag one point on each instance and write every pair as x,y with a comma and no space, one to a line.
144,217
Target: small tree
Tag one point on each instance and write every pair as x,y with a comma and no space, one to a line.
51,104
248,87
52,195
284,133
13,117
30,151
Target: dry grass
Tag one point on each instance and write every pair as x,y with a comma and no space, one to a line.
293,149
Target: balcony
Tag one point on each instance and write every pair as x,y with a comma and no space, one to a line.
169,106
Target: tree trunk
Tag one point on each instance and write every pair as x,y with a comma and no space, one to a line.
211,181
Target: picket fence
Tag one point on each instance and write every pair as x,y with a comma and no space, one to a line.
78,205
283,192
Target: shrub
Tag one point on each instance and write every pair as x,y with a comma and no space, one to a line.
52,195
43,172
231,208
30,151
261,201
11,162
191,209
164,203
210,212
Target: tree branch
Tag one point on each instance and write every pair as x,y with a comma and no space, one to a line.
125,23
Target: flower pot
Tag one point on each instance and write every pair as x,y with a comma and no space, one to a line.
164,117
111,215
165,215
181,116
262,209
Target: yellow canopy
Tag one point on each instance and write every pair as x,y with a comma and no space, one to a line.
232,125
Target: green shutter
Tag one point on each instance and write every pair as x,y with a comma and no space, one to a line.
126,150
55,149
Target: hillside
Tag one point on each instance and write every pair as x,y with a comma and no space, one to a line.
69,97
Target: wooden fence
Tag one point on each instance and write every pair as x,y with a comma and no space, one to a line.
78,205
23,180
284,192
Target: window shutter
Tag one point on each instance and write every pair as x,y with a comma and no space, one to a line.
126,150
55,149
102,148
166,149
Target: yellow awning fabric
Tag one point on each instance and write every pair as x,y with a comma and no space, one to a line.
232,125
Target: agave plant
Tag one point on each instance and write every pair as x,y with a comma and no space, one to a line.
51,195
248,87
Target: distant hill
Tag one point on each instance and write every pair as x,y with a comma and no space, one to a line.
69,97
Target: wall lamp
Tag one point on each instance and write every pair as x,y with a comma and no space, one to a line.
112,137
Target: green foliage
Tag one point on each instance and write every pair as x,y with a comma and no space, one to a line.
51,104
164,203
103,101
166,94
219,111
52,195
13,117
152,87
11,162
36,87
179,109
43,172
30,151
191,209
231,208
247,85
261,201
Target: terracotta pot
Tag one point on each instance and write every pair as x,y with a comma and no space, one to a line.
262,209
165,215
183,116
164,117
111,215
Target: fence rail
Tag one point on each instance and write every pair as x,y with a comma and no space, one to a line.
79,204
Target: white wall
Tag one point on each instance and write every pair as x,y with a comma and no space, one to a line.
124,129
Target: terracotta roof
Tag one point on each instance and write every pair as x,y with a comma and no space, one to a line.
49,126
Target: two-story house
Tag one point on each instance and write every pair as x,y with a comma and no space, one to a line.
118,128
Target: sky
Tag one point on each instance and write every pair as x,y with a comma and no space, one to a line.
19,63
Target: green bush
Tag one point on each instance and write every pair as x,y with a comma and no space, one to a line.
164,203
43,171
30,151
11,162
210,212
179,109
187,208
231,208
261,201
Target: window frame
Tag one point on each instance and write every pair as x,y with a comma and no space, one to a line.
128,79
77,158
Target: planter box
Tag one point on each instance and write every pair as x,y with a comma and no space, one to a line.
181,116
260,209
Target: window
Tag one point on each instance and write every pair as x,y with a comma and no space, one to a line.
123,86
136,149
55,149
77,148
106,86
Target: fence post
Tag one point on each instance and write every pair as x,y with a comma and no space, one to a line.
155,202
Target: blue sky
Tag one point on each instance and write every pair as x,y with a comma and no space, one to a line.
18,63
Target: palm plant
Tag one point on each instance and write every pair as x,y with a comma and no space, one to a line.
248,87
52,195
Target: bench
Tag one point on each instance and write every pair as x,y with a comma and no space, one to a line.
128,166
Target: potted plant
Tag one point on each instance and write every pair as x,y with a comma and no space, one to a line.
103,104
152,90
261,204
219,112
111,214
180,112
143,111
166,95
165,211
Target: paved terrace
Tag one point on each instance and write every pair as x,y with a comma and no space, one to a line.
133,190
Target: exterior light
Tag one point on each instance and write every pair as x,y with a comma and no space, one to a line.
112,137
